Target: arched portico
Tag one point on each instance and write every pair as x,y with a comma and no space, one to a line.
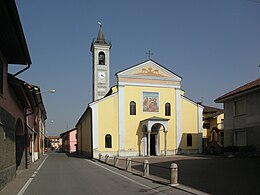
151,135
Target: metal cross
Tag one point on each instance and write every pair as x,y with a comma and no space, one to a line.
149,53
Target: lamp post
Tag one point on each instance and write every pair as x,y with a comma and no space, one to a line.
47,140
43,131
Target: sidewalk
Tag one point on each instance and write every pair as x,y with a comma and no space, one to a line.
22,176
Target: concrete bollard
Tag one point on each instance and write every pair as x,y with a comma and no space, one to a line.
99,157
146,168
106,158
174,173
115,161
128,164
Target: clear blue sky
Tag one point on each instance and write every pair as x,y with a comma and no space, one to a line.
213,44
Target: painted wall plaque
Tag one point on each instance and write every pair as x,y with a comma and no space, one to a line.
150,102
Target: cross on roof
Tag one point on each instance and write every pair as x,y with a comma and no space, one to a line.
149,53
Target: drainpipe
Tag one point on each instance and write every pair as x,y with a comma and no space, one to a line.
19,72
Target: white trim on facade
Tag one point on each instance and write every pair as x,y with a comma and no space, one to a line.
121,117
144,144
178,118
102,99
94,108
149,85
159,78
200,127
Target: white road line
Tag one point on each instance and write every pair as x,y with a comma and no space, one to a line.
25,187
41,164
126,177
30,180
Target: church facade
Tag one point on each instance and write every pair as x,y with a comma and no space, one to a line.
145,114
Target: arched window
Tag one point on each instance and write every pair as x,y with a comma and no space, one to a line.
101,58
108,141
132,108
189,140
167,109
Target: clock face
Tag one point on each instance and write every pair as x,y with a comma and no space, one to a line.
101,77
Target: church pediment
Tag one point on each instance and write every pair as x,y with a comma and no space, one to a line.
148,70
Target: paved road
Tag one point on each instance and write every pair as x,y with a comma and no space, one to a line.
211,174
61,174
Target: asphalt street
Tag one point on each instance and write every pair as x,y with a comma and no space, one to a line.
58,173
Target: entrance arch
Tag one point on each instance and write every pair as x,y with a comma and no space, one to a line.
151,135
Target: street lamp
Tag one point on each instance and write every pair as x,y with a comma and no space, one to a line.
46,132
48,91
39,97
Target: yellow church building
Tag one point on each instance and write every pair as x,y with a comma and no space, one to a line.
145,114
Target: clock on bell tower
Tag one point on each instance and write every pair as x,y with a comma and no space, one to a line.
100,49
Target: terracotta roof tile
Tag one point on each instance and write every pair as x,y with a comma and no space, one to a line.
246,87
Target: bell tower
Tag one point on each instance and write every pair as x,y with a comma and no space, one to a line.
100,49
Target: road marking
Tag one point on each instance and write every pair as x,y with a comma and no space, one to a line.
30,180
41,164
126,177
25,187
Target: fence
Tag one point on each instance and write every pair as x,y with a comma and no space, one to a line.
142,167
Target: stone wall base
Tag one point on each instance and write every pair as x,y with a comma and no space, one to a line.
189,151
125,153
7,175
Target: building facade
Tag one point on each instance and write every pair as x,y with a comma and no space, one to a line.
54,142
69,141
242,115
213,130
22,114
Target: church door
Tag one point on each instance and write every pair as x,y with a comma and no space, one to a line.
153,145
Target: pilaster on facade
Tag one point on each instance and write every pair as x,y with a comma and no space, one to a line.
178,118
94,108
200,127
121,118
